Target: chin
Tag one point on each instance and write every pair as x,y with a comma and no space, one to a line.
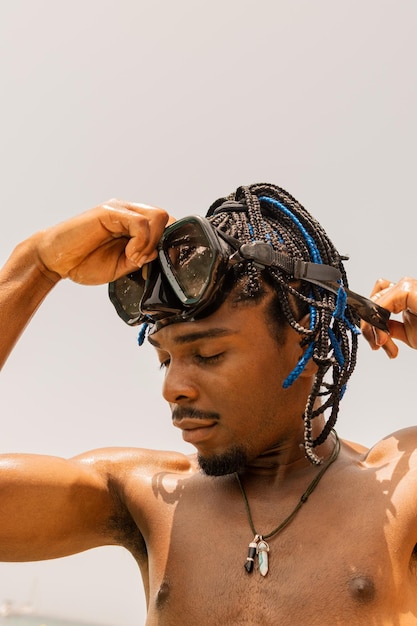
234,460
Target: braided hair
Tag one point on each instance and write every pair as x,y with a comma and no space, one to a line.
273,216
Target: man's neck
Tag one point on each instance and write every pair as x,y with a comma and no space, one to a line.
287,459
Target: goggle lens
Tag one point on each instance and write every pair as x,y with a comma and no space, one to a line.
181,279
188,255
126,295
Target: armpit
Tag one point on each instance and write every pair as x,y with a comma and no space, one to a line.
123,529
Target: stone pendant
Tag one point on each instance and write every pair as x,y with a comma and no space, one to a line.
262,549
250,560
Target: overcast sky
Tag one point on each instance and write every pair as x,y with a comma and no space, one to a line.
175,103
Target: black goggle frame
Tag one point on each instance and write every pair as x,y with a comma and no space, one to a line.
161,293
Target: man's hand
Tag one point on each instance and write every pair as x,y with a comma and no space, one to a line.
102,244
398,297
95,247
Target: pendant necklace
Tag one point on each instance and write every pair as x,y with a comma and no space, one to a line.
258,546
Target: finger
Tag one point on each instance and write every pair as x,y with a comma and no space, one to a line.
386,340
145,235
374,336
142,247
391,349
398,331
381,285
379,339
368,332
397,298
410,327
142,225
126,218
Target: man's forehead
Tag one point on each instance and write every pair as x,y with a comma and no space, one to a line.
227,320
233,317
185,333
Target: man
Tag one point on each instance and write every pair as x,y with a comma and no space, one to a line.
275,521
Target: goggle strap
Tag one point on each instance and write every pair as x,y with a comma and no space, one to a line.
264,254
367,310
228,205
324,276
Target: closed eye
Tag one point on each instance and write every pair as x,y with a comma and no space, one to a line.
198,358
208,360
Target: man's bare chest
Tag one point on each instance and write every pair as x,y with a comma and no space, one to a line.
336,562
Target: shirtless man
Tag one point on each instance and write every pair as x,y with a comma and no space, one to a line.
226,537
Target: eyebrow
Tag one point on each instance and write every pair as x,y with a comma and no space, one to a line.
213,333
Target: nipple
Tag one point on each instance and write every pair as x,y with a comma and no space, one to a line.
362,588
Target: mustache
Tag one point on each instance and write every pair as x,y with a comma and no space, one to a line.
180,413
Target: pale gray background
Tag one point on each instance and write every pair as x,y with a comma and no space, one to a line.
175,103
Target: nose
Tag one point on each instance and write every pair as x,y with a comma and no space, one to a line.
179,385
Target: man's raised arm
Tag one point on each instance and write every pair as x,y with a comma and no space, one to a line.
50,506
95,247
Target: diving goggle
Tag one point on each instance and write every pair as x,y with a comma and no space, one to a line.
184,282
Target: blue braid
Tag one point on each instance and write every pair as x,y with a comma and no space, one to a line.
339,312
314,251
313,316
354,329
292,377
336,347
142,333
299,368
315,255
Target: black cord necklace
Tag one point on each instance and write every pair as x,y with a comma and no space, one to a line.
259,545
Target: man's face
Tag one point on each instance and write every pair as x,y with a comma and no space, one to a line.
223,381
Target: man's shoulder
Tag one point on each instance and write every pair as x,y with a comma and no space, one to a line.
401,444
122,461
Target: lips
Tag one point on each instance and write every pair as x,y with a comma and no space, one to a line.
195,430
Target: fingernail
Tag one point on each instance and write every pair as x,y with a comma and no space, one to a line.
376,344
380,338
135,258
143,260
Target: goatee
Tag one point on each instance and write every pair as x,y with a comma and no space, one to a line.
230,462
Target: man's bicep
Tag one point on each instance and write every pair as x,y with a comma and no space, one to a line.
51,507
